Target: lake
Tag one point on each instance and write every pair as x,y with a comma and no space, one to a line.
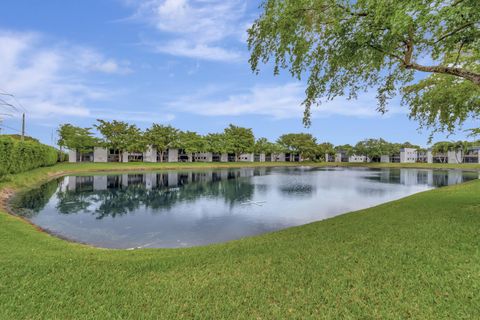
184,208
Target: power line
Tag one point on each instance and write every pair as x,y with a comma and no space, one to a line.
23,110
5,93
6,104
19,103
7,127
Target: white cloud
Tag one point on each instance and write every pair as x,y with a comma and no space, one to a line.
49,78
280,102
197,50
198,28
88,59
139,116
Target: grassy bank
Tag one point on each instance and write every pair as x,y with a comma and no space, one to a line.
418,257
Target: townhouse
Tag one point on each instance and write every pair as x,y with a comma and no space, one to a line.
100,154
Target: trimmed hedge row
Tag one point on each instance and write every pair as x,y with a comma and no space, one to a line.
19,156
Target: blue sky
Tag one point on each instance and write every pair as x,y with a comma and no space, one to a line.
178,62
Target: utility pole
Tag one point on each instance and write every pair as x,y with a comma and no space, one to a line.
23,126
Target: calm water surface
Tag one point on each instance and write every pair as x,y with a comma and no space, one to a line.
190,208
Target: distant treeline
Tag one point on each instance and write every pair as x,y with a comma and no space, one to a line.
122,136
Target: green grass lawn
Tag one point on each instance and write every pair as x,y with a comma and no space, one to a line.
418,257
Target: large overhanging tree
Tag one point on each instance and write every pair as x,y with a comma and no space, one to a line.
427,50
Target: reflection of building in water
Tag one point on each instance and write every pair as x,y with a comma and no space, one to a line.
100,182
454,177
246,172
152,180
412,177
135,179
385,175
114,182
80,183
260,171
416,177
428,177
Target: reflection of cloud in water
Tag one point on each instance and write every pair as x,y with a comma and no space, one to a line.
185,208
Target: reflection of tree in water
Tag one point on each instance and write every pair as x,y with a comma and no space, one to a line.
231,188
122,199
32,202
74,201
117,202
296,189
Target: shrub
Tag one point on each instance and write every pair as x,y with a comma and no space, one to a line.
62,156
19,156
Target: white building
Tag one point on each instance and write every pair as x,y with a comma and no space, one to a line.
472,155
330,158
150,155
408,155
455,157
341,156
203,157
246,157
278,157
355,158
100,154
385,159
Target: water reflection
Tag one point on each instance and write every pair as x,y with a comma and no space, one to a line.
117,195
185,208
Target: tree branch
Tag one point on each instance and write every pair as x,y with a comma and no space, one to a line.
409,48
451,33
459,72
391,55
458,54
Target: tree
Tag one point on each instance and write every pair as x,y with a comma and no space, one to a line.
440,149
262,145
191,142
346,148
303,144
325,148
239,140
345,47
121,136
373,148
136,141
462,147
162,138
76,138
216,143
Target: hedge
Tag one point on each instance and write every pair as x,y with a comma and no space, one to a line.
19,156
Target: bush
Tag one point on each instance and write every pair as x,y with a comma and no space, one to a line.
62,156
19,156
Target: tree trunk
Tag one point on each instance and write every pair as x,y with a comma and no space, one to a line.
161,156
